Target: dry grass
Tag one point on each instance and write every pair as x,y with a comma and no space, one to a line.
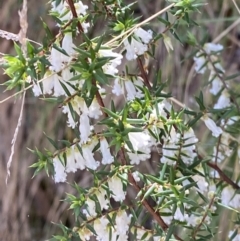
28,206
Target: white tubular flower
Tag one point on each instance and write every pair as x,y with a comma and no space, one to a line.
188,148
91,210
170,148
80,162
88,157
179,216
71,123
146,36
84,128
122,222
194,220
48,83
102,228
110,68
223,101
211,47
201,60
71,165
216,84
56,60
68,46
132,91
200,63
102,198
84,233
36,89
60,173
216,130
116,186
139,140
136,48
106,154
94,110
117,88
136,176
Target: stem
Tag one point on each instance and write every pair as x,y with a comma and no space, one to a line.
143,73
74,13
145,203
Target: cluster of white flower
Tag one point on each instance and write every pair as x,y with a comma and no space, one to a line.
80,160
201,65
65,14
138,44
59,74
177,145
115,185
103,228
131,87
141,144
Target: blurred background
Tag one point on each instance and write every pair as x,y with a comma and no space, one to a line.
29,207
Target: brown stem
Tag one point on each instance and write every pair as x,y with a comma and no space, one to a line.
74,13
223,176
203,219
143,73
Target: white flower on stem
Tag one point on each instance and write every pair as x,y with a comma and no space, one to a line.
216,83
211,125
136,176
135,47
110,67
118,87
201,183
88,157
84,233
59,169
71,165
170,149
94,110
145,36
80,162
56,60
105,150
102,228
102,198
68,46
132,91
178,215
211,47
116,186
91,210
223,101
122,222
66,110
139,140
141,144
84,128
194,220
188,148
200,63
